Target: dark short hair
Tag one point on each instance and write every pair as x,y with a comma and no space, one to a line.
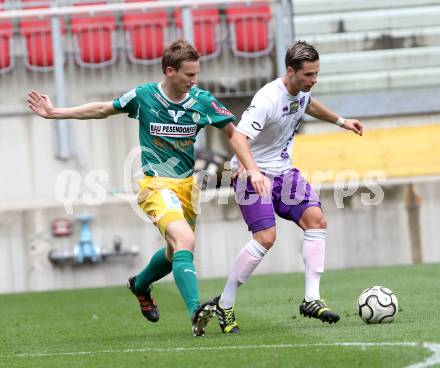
178,52
298,53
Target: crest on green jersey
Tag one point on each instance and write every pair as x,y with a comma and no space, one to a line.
196,117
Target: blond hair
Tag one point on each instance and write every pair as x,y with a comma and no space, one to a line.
178,52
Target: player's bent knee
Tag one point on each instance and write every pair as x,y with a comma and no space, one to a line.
316,223
184,241
322,223
266,237
313,218
180,236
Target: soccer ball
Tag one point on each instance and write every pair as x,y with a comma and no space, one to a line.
377,304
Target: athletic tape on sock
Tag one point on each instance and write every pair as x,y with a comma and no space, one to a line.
314,234
255,248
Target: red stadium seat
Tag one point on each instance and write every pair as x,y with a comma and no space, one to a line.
6,61
250,30
37,33
94,38
206,30
145,34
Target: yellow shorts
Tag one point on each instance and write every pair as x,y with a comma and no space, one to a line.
165,200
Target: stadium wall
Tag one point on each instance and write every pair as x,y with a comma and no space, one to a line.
402,229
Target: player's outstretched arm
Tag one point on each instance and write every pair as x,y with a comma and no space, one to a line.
240,147
42,105
319,111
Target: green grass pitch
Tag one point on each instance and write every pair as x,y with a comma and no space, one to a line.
104,328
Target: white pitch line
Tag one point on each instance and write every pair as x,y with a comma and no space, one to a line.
430,361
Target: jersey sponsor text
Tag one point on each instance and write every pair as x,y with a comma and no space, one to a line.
127,97
220,110
161,100
173,130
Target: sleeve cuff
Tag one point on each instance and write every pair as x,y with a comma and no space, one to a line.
246,133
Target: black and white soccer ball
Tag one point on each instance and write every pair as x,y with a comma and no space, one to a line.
377,304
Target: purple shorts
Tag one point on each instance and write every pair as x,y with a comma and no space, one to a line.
291,196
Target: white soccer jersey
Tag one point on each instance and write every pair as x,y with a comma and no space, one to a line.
270,122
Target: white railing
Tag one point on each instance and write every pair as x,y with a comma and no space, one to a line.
88,52
126,40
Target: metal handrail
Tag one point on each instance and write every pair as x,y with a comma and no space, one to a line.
87,9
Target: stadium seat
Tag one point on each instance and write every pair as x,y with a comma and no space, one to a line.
37,33
249,28
145,34
94,38
6,61
206,30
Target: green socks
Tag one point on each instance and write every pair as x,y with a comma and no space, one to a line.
184,275
186,280
158,267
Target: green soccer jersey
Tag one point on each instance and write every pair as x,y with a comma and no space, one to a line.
168,130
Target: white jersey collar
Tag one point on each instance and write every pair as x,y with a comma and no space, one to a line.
286,92
162,92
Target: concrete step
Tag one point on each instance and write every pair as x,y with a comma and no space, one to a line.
302,7
373,104
367,20
380,60
374,40
378,80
